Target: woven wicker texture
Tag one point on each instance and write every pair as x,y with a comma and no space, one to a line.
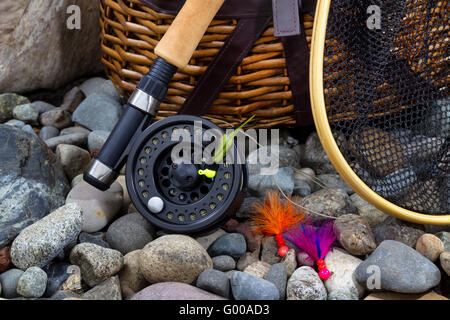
259,86
386,94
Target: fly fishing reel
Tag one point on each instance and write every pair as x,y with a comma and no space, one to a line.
169,189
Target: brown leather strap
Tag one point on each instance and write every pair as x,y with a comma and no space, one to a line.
219,71
297,61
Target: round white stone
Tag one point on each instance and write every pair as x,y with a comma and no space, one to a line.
155,204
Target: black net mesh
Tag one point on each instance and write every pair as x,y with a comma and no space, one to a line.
386,94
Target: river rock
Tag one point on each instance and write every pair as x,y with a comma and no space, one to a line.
91,85
258,184
342,294
330,202
73,159
29,129
214,281
99,207
57,273
173,258
247,259
223,263
269,251
48,132
342,267
395,229
427,196
245,286
99,85
445,262
15,123
98,112
445,238
126,196
207,240
430,246
131,278
290,262
129,233
246,209
5,259
50,51
381,151
107,290
314,156
32,182
42,106
174,291
41,242
72,130
439,116
305,175
26,113
278,276
368,211
421,148
9,281
32,283
7,103
258,269
56,118
355,235
401,269
305,284
76,139
98,238
395,184
267,158
334,181
252,238
72,100
96,263
232,244
301,188
97,139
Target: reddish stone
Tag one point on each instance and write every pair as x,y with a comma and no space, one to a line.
5,259
253,239
230,225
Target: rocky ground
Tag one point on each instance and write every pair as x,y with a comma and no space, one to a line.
62,239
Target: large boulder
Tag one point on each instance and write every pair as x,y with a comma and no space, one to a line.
32,182
33,47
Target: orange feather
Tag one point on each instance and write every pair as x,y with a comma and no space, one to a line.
272,216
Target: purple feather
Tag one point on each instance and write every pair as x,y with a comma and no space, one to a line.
315,240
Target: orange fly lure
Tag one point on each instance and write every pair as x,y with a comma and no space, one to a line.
272,217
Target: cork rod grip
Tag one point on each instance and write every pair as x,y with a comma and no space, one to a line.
183,36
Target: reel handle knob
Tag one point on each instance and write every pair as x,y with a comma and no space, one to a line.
183,36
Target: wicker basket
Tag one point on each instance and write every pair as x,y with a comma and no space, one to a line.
260,85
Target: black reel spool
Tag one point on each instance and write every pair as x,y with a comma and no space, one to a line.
191,203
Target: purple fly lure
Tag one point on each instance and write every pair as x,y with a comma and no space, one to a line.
316,240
